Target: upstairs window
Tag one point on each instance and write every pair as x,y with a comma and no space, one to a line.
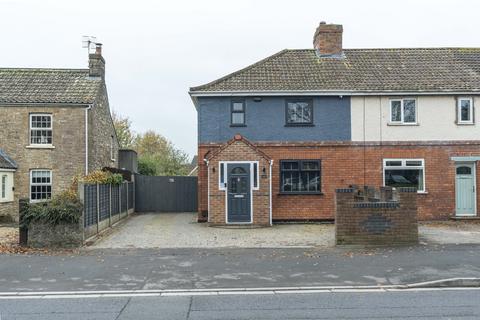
40,185
465,111
403,111
238,113
41,129
299,112
300,176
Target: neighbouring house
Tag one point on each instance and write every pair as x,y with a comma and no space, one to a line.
56,124
276,138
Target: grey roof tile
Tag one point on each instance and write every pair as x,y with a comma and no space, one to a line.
6,162
361,70
48,86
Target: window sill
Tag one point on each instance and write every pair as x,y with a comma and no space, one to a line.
238,125
465,124
422,192
300,125
393,124
6,201
40,146
300,193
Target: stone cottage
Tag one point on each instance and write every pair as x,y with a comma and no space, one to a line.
56,124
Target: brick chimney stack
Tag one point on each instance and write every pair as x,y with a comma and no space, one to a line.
328,39
96,63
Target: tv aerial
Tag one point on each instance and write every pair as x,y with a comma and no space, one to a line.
90,43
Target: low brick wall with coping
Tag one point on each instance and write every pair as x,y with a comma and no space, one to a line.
369,216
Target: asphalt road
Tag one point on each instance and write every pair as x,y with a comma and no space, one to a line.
233,268
447,304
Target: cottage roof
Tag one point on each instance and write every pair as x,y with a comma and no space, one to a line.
58,86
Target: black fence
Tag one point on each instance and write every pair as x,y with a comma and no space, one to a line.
165,194
106,202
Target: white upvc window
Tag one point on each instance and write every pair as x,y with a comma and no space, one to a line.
465,110
40,129
40,185
404,173
6,186
403,111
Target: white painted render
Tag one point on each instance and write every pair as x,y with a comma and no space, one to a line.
436,120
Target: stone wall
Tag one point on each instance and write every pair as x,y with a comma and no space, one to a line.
376,217
66,156
64,235
101,131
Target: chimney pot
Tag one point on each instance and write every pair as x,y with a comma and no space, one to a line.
96,63
328,39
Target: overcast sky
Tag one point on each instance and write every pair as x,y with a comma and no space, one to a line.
156,50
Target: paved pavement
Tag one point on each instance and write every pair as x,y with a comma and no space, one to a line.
230,268
180,230
452,304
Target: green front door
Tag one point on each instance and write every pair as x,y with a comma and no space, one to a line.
465,191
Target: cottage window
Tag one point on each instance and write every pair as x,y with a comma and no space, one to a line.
40,185
238,113
4,186
299,112
41,129
300,176
403,111
404,173
465,111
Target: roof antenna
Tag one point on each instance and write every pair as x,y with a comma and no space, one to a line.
89,42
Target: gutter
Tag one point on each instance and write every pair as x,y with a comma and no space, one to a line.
271,165
86,137
208,190
194,94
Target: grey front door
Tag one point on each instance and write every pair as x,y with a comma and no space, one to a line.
239,191
465,190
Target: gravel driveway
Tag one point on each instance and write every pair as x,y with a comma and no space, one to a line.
180,230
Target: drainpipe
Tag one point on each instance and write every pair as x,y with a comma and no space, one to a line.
208,190
86,137
270,175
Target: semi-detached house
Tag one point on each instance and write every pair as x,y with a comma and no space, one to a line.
276,138
54,124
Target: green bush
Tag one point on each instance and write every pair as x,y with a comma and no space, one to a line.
103,177
63,208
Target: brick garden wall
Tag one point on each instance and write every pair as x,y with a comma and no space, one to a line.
343,164
361,220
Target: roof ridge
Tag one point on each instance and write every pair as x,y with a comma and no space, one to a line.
44,69
240,71
394,48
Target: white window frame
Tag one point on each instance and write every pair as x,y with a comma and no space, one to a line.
459,110
40,184
31,128
112,149
402,120
6,189
221,186
404,166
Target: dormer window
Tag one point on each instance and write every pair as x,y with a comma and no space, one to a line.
465,111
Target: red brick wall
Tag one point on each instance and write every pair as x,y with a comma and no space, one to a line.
343,164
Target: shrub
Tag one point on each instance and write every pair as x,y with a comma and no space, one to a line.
63,208
102,177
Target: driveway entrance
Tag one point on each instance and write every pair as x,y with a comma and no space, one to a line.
180,230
